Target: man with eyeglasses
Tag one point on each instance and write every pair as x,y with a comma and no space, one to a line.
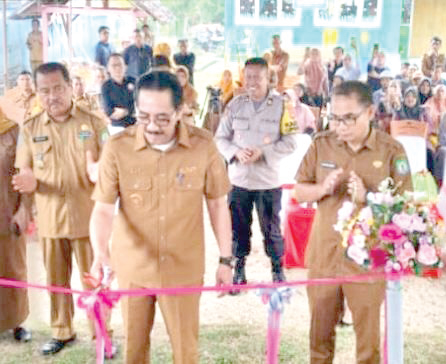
344,164
161,169
54,154
433,58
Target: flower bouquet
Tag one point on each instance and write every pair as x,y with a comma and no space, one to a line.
396,233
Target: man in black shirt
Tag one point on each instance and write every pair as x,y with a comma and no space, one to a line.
117,95
185,58
138,56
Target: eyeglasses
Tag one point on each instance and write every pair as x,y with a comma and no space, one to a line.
161,120
348,120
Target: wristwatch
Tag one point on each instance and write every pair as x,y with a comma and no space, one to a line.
226,261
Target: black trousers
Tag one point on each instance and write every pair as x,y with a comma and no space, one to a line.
268,204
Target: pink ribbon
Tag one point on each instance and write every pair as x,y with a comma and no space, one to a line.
97,302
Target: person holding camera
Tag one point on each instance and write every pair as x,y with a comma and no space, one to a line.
253,140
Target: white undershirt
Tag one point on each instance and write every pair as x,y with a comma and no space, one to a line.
164,147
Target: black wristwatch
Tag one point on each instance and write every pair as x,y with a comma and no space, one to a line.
226,261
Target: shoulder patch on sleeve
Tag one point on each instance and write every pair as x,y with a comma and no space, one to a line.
402,166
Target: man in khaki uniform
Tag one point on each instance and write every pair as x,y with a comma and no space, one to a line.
160,169
54,154
14,217
23,98
35,45
343,164
81,98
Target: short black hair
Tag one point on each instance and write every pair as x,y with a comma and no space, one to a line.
25,72
51,67
436,38
145,26
160,81
161,60
340,48
361,90
257,61
102,28
35,21
115,54
405,64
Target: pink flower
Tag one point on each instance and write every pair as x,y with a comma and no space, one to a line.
427,254
391,233
402,220
406,254
378,257
418,224
357,254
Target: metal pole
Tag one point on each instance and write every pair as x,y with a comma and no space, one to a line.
45,33
394,316
70,33
5,48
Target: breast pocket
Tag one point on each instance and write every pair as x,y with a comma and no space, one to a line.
188,190
137,193
42,156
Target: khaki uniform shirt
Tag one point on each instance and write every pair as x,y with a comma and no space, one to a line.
158,235
35,45
243,126
87,102
56,153
379,158
9,199
27,105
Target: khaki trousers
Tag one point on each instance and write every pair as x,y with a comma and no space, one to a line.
326,305
57,257
181,317
13,301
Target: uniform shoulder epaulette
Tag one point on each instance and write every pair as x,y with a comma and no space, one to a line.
323,134
33,117
200,132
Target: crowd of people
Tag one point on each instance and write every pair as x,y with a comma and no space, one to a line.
117,172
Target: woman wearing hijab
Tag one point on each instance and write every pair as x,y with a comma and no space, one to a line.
14,217
412,110
436,106
389,105
190,96
424,90
226,86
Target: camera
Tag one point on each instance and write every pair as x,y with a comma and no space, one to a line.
214,99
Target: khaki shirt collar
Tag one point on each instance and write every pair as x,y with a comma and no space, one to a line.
370,142
73,113
182,136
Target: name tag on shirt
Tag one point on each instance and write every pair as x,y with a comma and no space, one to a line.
328,164
40,139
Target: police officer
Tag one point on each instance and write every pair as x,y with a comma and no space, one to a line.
253,138
55,155
343,164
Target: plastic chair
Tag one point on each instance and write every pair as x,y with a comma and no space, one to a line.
412,135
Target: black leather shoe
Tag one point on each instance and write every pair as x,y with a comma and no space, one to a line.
239,275
279,277
21,334
277,271
54,345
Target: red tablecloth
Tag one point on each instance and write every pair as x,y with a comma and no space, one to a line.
297,227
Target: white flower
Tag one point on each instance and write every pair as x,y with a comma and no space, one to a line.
357,254
346,210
